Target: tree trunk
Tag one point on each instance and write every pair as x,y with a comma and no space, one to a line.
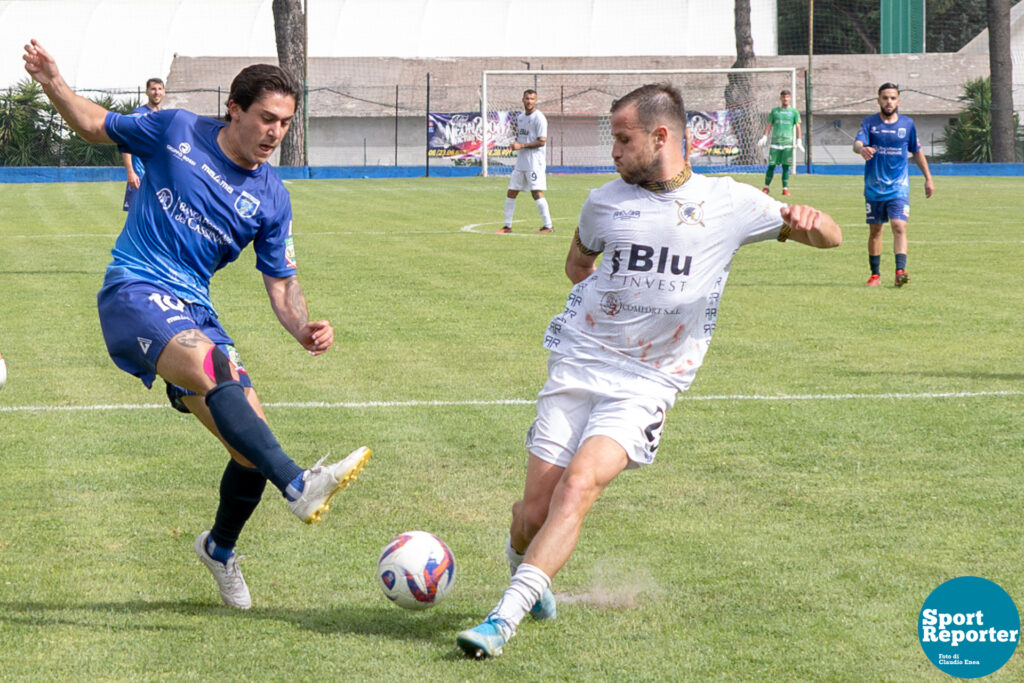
290,31
739,96
1001,68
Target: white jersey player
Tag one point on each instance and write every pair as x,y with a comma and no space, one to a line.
530,169
631,336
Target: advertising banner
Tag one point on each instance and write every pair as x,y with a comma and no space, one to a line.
458,136
712,133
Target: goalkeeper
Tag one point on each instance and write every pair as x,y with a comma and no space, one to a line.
783,123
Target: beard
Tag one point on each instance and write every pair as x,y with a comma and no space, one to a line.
890,112
642,171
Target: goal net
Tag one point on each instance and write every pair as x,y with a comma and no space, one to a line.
727,111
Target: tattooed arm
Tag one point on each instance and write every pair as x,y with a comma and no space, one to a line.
289,304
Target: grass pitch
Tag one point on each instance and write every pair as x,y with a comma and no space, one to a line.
842,452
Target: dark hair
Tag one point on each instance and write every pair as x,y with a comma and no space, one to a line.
888,86
253,81
656,103
154,80
785,92
529,91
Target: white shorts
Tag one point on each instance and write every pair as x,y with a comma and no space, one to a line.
527,180
584,398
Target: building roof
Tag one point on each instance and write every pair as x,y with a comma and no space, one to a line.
370,86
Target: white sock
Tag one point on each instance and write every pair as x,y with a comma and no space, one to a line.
510,210
521,595
514,559
545,212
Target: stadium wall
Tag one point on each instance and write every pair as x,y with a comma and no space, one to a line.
76,174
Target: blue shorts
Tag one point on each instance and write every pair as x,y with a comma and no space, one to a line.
139,318
887,210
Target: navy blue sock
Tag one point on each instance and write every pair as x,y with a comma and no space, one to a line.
244,431
241,489
217,552
876,263
901,261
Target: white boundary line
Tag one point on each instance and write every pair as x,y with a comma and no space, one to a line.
527,402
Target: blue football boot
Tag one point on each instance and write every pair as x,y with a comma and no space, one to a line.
485,640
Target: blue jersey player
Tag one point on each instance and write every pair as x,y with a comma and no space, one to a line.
133,166
884,141
207,193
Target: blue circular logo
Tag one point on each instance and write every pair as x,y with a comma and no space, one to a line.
969,627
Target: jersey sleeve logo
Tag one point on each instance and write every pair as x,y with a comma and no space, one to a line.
246,205
289,253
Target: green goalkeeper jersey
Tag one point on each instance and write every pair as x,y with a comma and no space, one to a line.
783,121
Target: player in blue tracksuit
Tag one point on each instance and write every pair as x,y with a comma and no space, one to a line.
208,192
133,166
884,141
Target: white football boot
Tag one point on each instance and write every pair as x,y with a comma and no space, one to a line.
233,590
321,482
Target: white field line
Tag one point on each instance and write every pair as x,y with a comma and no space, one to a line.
491,225
527,402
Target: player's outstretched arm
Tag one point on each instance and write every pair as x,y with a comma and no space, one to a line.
810,226
84,116
289,304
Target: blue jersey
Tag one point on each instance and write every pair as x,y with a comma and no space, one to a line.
137,165
196,210
886,174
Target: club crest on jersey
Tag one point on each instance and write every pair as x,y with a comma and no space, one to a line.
246,205
690,213
901,133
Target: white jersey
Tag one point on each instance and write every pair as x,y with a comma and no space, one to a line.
530,129
652,304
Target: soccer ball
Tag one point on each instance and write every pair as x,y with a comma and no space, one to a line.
416,570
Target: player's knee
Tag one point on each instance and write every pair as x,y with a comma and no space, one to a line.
217,367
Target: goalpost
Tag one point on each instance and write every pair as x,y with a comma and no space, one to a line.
727,111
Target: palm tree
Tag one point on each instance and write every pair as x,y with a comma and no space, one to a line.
969,135
33,134
29,127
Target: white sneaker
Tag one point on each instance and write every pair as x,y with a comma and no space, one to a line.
322,482
233,590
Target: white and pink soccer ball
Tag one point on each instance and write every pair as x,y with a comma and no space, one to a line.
416,570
